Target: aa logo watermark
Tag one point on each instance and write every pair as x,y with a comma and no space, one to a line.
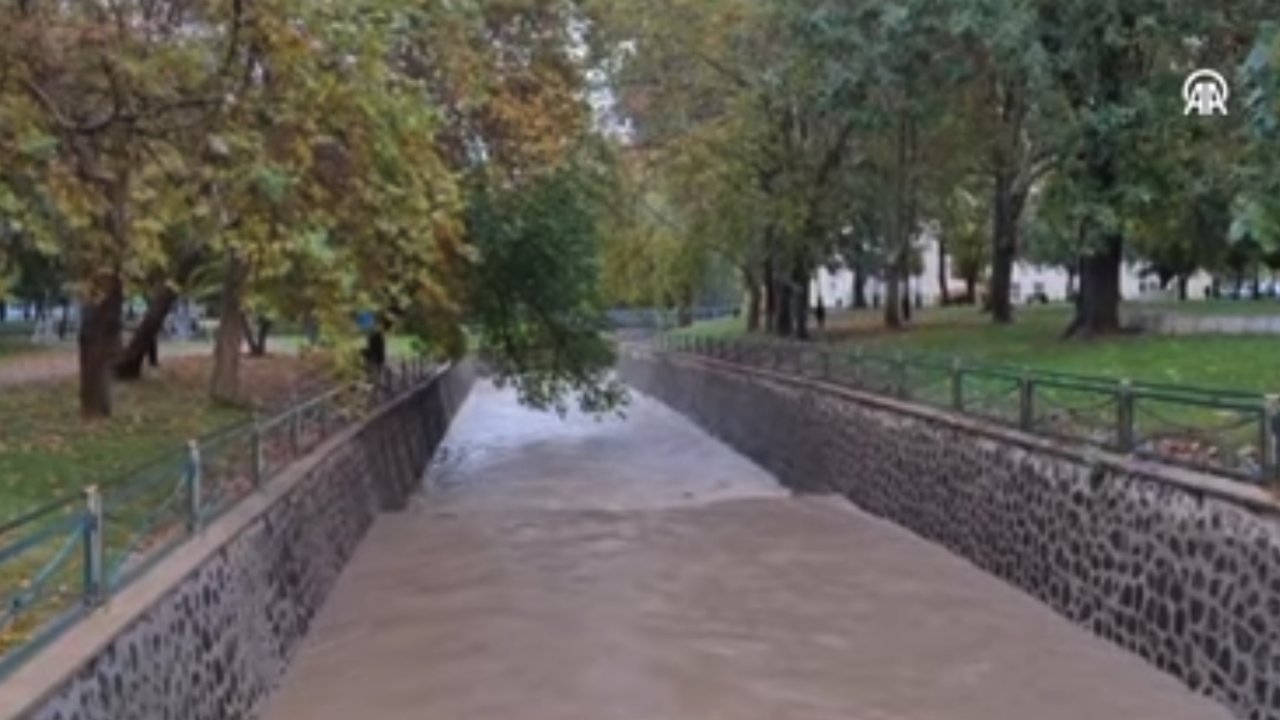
1206,93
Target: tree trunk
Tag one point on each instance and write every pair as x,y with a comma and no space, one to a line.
101,325
1184,290
800,301
753,299
264,331
1098,311
770,298
129,366
163,297
907,312
860,285
64,323
892,299
971,289
944,282
225,384
1004,249
782,324
255,333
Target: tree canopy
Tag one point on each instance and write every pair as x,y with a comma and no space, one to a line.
846,131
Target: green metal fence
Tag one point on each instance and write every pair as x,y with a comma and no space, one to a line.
1224,432
61,561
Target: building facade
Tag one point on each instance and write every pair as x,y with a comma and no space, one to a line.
1030,283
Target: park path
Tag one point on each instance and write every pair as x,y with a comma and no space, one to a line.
639,570
60,362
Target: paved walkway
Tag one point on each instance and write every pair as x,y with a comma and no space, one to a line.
639,570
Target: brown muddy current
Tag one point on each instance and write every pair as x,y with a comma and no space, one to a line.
638,569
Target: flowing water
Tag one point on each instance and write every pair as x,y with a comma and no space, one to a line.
639,570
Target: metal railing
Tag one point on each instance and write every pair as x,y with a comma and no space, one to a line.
62,561
664,318
1224,432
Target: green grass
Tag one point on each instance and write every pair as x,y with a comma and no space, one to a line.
1034,341
721,328
15,345
47,451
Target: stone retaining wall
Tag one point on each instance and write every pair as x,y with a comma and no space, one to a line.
1175,324
1180,568
210,631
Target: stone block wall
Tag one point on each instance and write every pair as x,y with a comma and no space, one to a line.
212,646
1179,568
1163,323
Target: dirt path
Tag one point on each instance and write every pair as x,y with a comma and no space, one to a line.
639,570
60,362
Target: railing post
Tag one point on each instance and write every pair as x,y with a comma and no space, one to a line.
322,415
900,375
256,450
1269,449
193,476
295,429
1026,402
825,360
857,366
957,384
1125,416
94,565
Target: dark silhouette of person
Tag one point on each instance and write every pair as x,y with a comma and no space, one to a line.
375,349
820,314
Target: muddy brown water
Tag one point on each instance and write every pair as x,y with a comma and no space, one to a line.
639,570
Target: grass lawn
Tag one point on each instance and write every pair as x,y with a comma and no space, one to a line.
1244,363
16,344
47,451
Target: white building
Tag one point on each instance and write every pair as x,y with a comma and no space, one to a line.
1030,281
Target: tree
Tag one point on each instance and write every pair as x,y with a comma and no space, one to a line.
1258,207
1119,67
533,289
963,227
93,141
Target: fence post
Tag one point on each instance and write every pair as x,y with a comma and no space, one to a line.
295,429
1125,416
857,366
1270,454
1026,402
255,449
957,384
322,416
193,474
825,354
94,565
900,375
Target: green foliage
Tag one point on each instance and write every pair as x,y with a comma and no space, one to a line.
1259,204
533,288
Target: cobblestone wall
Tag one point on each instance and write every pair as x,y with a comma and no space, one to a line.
214,645
1164,323
1187,578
